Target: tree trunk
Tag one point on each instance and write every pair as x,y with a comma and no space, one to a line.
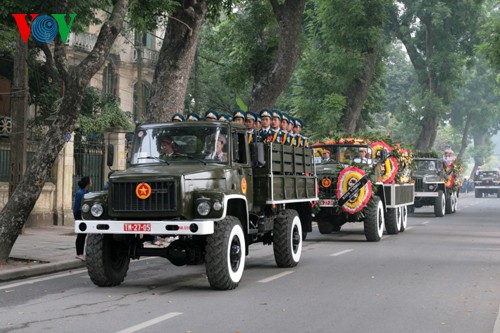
175,61
479,148
16,211
465,136
269,87
358,90
428,133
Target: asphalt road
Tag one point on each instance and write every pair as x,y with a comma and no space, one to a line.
441,275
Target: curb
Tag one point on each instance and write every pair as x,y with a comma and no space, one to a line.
40,269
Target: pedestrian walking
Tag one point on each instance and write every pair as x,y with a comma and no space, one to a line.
84,185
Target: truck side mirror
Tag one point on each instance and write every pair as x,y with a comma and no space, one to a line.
258,160
111,155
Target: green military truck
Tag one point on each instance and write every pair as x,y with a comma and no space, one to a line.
351,190
487,182
430,178
216,194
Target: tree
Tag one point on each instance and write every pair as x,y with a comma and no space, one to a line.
490,33
476,111
268,85
177,55
22,201
438,36
337,83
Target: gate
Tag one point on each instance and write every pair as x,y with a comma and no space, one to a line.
89,161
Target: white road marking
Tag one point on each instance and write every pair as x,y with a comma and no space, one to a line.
13,285
496,328
409,228
150,322
425,222
274,277
56,276
340,253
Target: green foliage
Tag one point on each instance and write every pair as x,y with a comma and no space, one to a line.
226,62
99,117
337,38
490,34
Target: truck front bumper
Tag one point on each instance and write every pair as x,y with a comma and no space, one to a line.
426,194
201,227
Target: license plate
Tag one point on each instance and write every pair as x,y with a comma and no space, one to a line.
137,227
326,202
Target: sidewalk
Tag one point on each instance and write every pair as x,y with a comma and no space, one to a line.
41,250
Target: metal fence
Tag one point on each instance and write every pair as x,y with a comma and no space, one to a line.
5,167
89,161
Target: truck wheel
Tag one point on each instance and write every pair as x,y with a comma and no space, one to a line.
454,203
451,202
374,221
287,238
440,205
107,260
393,221
477,194
404,218
225,254
325,226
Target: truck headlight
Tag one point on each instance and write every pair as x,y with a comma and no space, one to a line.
217,206
96,210
203,208
85,208
431,187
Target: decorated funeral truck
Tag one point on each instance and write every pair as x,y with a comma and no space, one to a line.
364,181
437,183
214,192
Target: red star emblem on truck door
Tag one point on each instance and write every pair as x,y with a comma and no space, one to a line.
143,191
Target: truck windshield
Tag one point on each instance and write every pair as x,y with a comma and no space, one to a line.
170,144
427,165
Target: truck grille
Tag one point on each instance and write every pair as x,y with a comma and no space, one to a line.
419,185
162,199
328,192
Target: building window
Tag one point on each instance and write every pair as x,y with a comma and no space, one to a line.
110,80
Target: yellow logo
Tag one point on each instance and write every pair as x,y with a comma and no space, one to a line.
143,191
244,186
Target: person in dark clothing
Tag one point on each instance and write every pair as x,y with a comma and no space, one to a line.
84,185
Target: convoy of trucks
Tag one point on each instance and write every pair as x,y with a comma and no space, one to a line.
214,194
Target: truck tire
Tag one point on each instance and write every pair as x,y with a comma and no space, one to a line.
451,202
325,226
287,238
374,221
393,221
440,205
107,260
404,218
225,254
478,194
